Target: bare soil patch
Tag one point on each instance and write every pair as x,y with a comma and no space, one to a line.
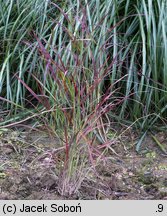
30,169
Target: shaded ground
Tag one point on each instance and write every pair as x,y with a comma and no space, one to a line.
30,165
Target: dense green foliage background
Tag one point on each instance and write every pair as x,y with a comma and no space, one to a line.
107,57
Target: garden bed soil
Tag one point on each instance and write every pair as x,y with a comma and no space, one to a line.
30,169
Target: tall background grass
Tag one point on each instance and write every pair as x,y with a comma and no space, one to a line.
77,62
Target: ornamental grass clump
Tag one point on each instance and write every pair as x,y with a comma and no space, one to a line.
83,64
